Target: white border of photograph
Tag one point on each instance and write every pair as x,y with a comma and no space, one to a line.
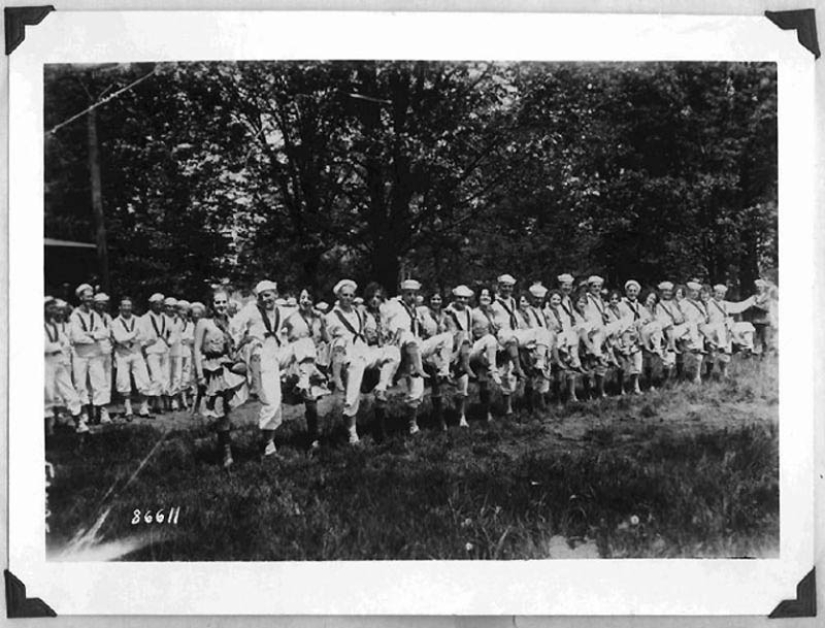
552,587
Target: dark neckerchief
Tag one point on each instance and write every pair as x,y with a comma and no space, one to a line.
160,333
536,312
83,321
509,310
271,330
634,306
123,322
413,318
568,311
723,310
359,334
52,327
454,315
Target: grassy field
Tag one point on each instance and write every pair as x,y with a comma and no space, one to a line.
691,471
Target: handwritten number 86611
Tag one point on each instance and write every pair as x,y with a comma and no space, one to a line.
160,516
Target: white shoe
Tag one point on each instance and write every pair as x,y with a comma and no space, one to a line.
270,449
82,427
414,428
353,436
105,419
462,422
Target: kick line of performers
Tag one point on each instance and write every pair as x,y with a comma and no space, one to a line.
181,355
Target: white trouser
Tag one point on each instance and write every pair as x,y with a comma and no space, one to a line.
158,365
107,374
361,357
89,375
175,374
436,350
59,388
131,364
274,360
526,337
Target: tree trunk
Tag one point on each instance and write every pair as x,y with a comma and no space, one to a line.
97,201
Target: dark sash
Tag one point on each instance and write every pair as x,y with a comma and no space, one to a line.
699,309
357,334
454,316
634,306
539,319
724,310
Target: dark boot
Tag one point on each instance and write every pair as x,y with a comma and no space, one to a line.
311,414
438,413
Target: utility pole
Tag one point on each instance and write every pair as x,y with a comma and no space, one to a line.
97,200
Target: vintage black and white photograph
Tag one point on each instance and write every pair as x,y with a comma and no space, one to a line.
411,310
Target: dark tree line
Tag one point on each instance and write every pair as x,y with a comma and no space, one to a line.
306,171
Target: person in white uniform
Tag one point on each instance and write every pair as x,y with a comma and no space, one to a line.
261,323
405,325
86,333
155,331
129,361
354,337
59,389
101,305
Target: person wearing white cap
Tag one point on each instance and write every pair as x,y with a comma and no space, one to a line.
307,323
637,316
58,380
350,331
101,305
435,321
472,351
86,331
677,330
129,360
261,324
721,324
155,332
531,310
217,370
503,310
404,322
696,316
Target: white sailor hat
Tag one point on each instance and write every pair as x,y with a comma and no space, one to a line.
538,290
410,284
720,287
594,279
197,305
60,303
183,303
170,301
264,286
101,297
83,288
358,300
693,285
280,301
344,283
156,297
632,282
48,299
322,306
507,280
462,291
291,302
665,285
565,278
